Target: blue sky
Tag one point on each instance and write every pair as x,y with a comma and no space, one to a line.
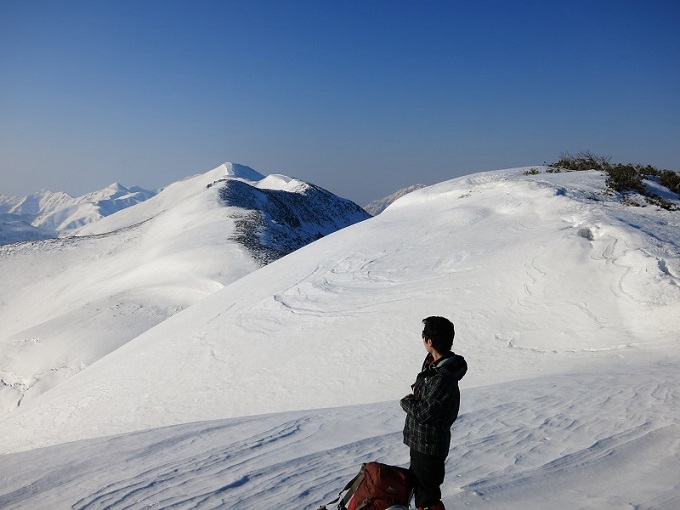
360,97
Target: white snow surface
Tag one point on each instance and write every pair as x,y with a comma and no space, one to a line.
271,392
47,214
68,302
169,197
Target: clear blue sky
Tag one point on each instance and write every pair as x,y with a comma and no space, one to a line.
360,97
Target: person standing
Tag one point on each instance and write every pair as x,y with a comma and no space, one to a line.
431,410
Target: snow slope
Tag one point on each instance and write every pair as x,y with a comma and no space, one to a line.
66,303
566,304
45,214
168,198
541,274
604,440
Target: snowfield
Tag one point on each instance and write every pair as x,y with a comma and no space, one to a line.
66,303
272,391
582,440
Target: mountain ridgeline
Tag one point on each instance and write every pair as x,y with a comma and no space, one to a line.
68,302
377,206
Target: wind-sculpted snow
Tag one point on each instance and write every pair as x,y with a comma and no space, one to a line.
537,276
589,440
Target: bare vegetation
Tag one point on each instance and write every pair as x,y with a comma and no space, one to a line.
622,178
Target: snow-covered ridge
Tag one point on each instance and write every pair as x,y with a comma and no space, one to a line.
67,302
168,197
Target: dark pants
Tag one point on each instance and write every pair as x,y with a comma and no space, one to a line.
428,475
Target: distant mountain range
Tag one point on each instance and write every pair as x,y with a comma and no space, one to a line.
47,214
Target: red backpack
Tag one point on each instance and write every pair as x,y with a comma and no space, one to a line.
376,487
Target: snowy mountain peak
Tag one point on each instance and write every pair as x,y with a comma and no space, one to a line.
197,184
237,171
115,186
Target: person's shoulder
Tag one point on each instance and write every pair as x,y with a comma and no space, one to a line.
454,365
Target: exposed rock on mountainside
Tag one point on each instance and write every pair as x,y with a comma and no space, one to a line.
276,222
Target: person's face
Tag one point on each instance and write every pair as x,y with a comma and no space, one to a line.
427,343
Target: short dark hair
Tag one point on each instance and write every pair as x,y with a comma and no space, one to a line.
441,331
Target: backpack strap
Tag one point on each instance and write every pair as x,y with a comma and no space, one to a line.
364,503
351,488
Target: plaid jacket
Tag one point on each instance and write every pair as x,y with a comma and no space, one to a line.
433,407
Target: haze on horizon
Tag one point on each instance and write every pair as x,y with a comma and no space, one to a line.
360,98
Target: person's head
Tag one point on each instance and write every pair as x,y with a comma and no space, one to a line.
440,331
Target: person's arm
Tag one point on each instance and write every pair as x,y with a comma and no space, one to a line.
425,409
407,402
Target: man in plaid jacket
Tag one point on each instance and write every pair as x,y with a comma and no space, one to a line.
431,410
